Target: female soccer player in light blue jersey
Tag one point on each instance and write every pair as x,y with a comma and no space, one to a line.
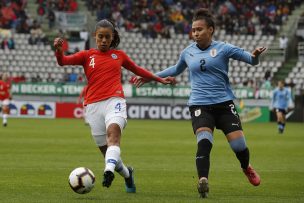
280,100
211,100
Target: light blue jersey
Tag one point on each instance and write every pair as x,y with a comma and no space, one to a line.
281,98
208,70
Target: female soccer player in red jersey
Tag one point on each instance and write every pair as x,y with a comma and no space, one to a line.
5,96
105,103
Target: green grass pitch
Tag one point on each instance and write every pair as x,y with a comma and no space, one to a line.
37,156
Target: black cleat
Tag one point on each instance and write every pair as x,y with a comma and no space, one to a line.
4,124
203,188
108,177
130,185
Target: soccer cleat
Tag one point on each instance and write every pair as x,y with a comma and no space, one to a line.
252,176
4,124
130,185
202,187
108,177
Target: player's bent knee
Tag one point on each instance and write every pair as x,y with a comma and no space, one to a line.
204,135
204,143
6,111
238,144
203,129
120,121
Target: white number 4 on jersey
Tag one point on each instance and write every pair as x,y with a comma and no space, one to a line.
92,62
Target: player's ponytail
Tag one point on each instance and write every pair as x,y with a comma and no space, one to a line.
110,24
204,14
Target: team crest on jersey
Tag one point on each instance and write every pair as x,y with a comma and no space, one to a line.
213,52
114,56
197,112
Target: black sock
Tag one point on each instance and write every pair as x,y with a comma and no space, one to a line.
243,157
203,158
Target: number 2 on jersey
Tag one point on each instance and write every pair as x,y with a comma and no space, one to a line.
232,108
202,66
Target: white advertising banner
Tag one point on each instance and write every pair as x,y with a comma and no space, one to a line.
159,111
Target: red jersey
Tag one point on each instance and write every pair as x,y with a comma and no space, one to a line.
4,90
103,72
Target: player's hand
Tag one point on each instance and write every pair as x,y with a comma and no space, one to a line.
58,42
169,80
138,81
257,52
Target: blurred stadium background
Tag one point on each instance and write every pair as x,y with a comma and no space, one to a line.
153,32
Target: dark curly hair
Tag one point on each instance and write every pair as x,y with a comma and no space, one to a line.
204,14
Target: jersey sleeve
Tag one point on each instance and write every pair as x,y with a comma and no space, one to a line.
240,54
137,70
74,59
175,70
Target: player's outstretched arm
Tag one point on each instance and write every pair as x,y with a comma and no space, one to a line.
140,81
58,42
148,76
256,53
74,59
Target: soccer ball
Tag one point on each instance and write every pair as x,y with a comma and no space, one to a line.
82,180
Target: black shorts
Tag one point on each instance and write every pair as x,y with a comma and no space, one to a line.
222,116
283,111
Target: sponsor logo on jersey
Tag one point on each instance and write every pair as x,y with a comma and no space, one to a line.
213,52
114,56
